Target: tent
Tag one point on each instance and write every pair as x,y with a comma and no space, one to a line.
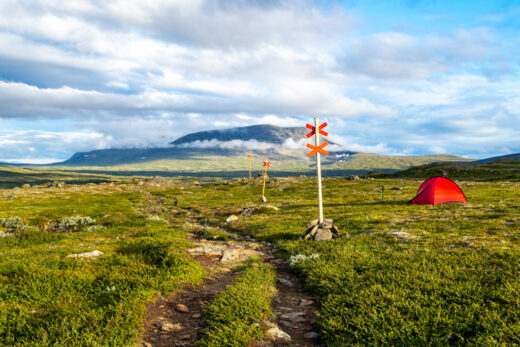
438,190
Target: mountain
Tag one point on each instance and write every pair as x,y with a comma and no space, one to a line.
210,153
262,133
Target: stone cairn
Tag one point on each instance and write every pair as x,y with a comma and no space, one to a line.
321,232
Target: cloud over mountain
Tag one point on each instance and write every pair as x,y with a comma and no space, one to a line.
399,79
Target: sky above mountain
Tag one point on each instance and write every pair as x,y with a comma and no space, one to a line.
390,77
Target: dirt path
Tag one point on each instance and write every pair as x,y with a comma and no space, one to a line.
294,310
176,320
162,324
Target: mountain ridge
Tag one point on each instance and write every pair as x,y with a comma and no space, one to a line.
260,132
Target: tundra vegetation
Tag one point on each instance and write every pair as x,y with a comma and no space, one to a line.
405,275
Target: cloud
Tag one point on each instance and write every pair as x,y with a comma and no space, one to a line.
233,144
141,74
397,55
33,146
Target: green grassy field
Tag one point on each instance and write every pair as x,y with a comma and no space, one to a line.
405,275
408,274
11,177
200,163
48,299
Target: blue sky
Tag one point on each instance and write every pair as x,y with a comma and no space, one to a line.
390,77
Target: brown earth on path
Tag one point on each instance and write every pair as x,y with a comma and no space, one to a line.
177,320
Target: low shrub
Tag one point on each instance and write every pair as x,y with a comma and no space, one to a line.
75,223
12,224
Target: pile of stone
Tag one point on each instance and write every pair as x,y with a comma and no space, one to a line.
321,232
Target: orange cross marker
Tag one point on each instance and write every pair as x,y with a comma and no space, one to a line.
316,149
267,163
313,130
250,155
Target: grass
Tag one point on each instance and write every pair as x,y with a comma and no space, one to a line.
47,299
230,316
499,170
408,274
16,176
405,275
206,162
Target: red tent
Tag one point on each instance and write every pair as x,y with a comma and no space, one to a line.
438,190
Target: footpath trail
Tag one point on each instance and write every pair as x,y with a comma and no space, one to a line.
177,320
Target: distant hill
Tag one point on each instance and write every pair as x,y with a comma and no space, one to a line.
497,168
515,156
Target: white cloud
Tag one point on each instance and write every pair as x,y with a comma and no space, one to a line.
143,73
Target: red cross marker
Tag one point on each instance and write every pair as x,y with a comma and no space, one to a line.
267,163
313,130
316,149
250,155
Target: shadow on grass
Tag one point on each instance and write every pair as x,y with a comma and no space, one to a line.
373,203
380,203
285,236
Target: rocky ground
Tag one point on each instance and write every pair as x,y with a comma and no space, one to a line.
177,320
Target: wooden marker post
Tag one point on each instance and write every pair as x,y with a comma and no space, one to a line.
317,149
266,164
250,156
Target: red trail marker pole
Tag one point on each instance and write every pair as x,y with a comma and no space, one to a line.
318,149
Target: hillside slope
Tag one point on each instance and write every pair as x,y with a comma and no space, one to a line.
499,169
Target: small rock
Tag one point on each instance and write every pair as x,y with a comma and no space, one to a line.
311,335
263,199
27,185
182,308
323,235
165,326
267,324
147,344
235,255
285,282
186,337
277,334
286,324
305,302
295,317
92,254
207,250
11,197
229,255
312,223
231,218
327,224
196,315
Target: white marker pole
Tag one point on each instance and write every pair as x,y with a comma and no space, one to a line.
318,168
